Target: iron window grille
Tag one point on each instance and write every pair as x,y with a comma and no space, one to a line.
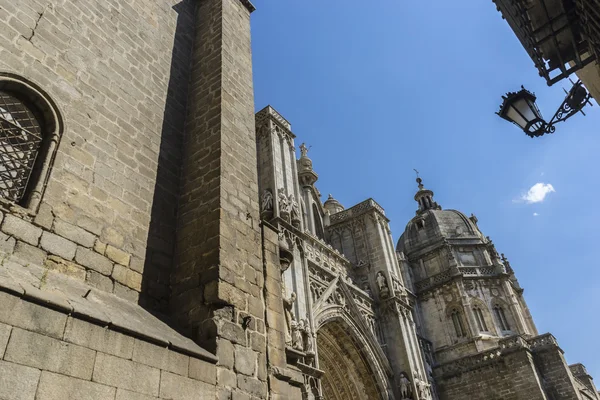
20,140
560,37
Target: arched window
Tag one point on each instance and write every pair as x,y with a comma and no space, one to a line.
458,323
30,128
501,318
20,140
480,320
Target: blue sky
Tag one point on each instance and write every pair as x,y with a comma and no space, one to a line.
379,88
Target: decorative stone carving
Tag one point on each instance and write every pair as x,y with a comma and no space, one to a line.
303,150
297,328
404,387
384,289
290,320
294,211
309,341
266,205
284,205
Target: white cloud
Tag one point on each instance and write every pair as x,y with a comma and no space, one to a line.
537,193
535,214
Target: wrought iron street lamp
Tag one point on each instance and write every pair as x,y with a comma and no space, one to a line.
520,109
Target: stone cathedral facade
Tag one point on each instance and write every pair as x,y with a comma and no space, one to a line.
161,240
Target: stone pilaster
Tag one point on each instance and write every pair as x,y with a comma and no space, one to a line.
217,284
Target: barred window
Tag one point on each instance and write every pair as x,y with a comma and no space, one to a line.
501,318
458,323
20,140
480,320
30,131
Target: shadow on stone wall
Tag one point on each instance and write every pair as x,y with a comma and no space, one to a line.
160,249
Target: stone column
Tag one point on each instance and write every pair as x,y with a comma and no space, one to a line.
217,285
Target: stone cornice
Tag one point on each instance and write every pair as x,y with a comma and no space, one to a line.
248,5
357,210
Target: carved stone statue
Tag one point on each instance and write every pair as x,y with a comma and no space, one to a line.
309,344
294,209
404,386
297,328
284,205
303,150
384,289
266,202
290,320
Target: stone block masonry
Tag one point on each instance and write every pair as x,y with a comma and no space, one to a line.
118,73
48,355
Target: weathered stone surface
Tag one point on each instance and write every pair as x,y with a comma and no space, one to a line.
118,256
245,360
22,230
160,357
29,253
50,354
59,387
4,335
44,216
98,338
202,371
226,378
99,281
123,394
127,277
177,387
18,382
57,245
124,374
26,315
63,266
225,353
252,385
7,243
74,233
93,260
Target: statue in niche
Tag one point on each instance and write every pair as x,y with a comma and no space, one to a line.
422,388
384,289
284,205
297,328
267,202
404,386
303,150
294,210
290,320
367,289
309,344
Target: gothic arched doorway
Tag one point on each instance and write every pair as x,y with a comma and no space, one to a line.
347,373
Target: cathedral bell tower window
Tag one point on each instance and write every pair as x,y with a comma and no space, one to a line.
480,319
501,318
30,128
458,323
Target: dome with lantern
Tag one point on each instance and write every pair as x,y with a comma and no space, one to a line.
432,224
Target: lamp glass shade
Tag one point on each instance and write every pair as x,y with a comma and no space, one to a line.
521,109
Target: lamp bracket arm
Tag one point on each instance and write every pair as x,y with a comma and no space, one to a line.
571,105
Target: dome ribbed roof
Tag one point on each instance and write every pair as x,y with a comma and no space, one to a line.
433,225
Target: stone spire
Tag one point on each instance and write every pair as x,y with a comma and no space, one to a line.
424,197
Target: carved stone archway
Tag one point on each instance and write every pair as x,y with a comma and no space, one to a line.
348,372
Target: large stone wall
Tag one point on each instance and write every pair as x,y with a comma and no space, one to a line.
118,73
52,355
